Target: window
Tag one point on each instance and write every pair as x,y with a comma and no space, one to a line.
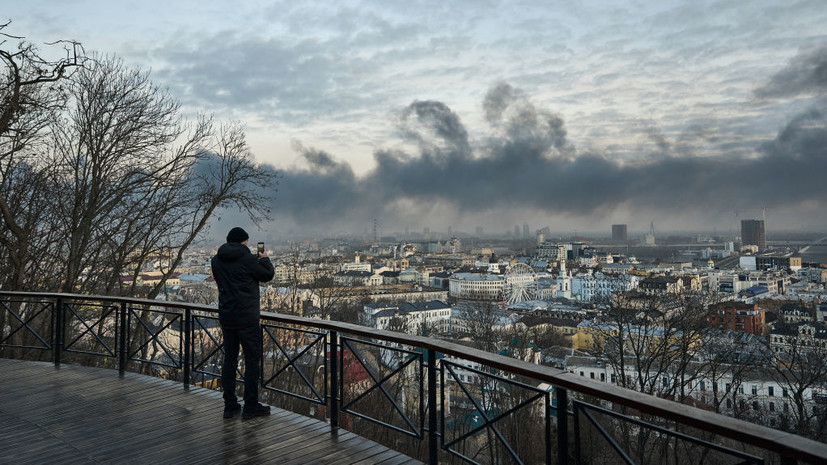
703,386
772,406
591,375
771,392
613,378
784,392
786,408
741,389
754,390
755,405
729,403
582,374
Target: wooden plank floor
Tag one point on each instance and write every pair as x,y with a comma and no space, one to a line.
77,415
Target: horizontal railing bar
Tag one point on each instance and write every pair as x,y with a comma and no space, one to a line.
585,407
780,442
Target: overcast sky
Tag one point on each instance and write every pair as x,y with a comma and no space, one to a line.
573,115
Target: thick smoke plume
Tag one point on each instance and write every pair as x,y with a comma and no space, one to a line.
527,164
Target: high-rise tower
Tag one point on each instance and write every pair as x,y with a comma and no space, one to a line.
619,233
752,233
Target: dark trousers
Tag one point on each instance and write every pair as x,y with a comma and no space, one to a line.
249,339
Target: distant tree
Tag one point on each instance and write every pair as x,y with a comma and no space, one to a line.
801,368
327,297
726,362
482,322
650,340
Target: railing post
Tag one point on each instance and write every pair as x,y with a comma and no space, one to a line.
576,433
433,446
122,348
562,397
58,341
334,381
187,362
547,434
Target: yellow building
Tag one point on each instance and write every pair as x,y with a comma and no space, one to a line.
592,336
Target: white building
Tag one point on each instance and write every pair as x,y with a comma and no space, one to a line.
563,282
551,251
590,286
755,396
356,265
476,286
411,316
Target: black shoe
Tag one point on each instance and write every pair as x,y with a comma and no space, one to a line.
231,410
256,410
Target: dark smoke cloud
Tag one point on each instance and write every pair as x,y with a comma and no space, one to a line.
438,119
806,73
527,164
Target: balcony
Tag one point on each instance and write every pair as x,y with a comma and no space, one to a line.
343,394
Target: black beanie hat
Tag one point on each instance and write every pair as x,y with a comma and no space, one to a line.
237,235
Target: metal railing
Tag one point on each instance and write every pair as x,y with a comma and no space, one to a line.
456,403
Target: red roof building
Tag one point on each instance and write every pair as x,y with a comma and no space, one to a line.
737,316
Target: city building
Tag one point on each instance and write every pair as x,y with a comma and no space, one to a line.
737,316
357,278
798,338
563,282
752,233
778,261
661,285
619,233
475,286
410,316
551,251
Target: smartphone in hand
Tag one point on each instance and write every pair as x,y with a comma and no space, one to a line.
261,248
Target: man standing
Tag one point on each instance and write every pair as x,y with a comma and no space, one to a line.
238,273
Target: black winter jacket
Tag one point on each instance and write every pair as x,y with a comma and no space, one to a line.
238,273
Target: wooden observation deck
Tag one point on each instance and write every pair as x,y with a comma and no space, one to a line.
74,414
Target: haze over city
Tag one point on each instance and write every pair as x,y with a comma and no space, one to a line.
427,114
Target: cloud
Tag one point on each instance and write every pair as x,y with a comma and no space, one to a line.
806,73
526,164
266,77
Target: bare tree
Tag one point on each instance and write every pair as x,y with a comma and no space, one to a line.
725,360
31,96
650,340
128,181
800,368
482,321
232,179
107,159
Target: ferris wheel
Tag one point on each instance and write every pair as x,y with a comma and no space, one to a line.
520,284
